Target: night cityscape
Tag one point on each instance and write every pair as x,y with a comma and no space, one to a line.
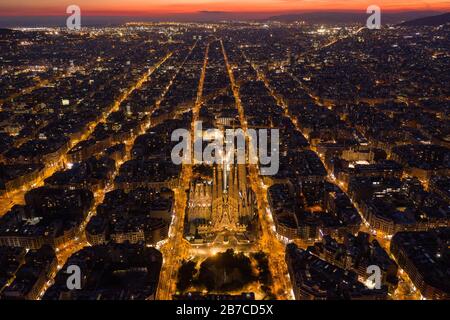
349,200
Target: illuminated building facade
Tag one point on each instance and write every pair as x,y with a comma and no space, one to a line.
223,203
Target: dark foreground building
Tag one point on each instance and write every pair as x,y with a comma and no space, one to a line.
315,279
110,272
425,257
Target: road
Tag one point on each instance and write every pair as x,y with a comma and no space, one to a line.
268,241
406,289
17,197
176,248
66,250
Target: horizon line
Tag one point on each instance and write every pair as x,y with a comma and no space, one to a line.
94,13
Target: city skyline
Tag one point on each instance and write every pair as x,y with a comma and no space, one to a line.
277,159
161,8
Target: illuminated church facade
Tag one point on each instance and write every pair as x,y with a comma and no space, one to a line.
223,204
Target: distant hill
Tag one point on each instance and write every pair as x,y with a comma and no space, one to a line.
351,17
429,21
321,17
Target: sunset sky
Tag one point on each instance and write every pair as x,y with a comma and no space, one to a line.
161,7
